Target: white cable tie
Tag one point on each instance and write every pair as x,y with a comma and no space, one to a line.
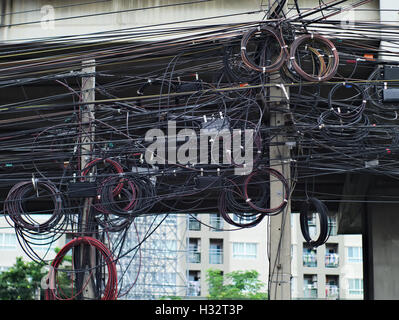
285,200
258,28
243,48
292,58
364,101
333,49
248,200
264,69
311,35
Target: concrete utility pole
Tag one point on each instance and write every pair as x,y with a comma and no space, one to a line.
87,254
280,225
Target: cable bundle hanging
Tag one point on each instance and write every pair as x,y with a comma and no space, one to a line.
322,212
325,70
20,196
269,53
54,292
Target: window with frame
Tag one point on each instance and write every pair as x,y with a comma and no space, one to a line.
245,250
8,241
355,254
355,286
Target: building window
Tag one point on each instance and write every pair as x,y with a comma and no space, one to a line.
332,257
332,223
355,286
355,254
312,223
194,284
8,241
194,252
216,222
244,218
245,250
194,223
332,286
309,256
310,286
216,251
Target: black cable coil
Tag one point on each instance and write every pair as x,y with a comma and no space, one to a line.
322,211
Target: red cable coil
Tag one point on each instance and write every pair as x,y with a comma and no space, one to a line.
111,288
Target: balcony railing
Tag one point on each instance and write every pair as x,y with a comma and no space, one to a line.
309,260
310,292
215,256
194,289
194,256
332,292
216,224
332,260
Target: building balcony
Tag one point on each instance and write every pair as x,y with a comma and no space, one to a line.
193,289
216,224
309,260
194,257
216,256
332,292
332,260
310,292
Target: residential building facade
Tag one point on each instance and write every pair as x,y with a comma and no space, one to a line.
331,271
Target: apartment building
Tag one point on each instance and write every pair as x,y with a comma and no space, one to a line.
10,247
331,271
210,246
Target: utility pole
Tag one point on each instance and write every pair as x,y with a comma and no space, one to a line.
280,225
87,254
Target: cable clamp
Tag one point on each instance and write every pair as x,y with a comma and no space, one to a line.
34,182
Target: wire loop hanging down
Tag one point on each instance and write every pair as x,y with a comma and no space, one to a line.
17,205
322,212
54,291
